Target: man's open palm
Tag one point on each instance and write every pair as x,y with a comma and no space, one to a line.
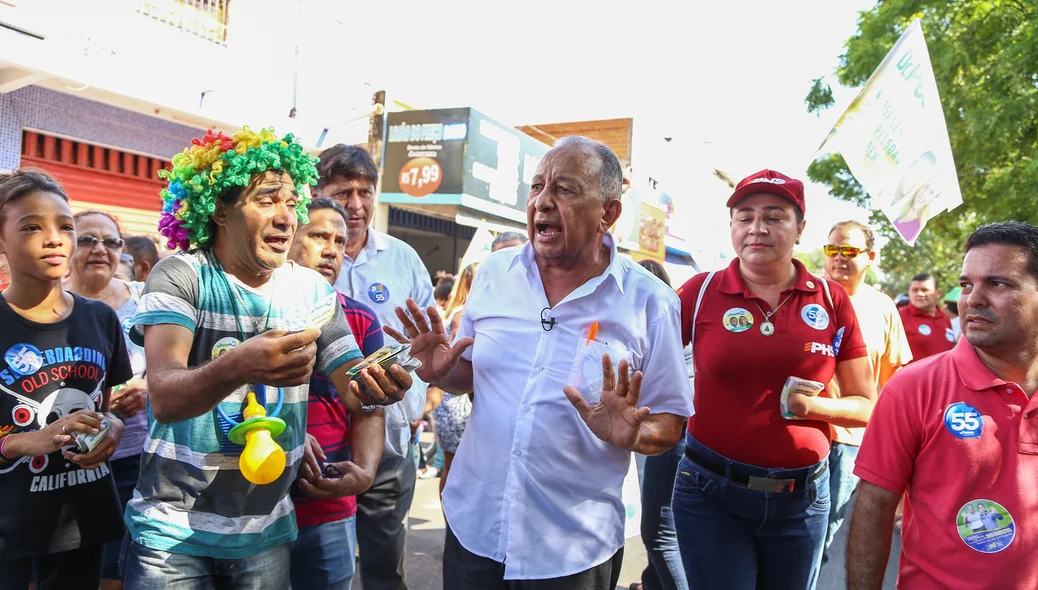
428,341
616,418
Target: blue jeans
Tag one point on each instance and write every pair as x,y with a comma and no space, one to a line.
842,483
738,538
324,556
125,472
150,569
665,570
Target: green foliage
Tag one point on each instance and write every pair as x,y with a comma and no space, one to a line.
820,97
985,58
814,260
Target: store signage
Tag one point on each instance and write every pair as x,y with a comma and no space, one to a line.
459,157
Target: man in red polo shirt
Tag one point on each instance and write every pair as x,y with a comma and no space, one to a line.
960,433
929,330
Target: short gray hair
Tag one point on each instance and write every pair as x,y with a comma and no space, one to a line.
611,176
505,237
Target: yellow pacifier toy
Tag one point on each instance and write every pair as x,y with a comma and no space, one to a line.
263,460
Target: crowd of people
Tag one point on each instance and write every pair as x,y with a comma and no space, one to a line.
760,398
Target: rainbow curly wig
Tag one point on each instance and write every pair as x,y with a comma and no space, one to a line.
216,163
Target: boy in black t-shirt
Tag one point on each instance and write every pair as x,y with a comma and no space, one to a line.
60,354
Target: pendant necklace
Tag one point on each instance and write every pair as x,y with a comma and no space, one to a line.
767,328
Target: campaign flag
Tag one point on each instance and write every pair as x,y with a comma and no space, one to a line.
479,247
895,141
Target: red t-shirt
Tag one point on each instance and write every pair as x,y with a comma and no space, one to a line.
740,371
927,334
958,437
328,421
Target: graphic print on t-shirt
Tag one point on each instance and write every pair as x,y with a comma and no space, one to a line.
41,387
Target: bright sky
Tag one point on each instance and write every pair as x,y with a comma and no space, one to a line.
726,80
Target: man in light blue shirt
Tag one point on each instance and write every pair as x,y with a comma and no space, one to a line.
382,272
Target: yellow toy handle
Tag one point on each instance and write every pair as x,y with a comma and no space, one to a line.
263,460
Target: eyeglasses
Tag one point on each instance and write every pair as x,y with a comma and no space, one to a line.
848,251
90,241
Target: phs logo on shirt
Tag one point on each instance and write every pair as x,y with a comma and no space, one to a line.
825,349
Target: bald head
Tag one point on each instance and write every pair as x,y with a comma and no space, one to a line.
603,165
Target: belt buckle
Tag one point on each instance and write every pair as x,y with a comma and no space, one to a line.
770,484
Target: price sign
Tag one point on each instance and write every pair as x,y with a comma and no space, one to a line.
420,177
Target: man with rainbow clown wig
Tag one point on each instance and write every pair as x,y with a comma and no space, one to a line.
232,331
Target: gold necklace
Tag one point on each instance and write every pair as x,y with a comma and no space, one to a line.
592,271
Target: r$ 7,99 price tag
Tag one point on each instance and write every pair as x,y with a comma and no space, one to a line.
420,177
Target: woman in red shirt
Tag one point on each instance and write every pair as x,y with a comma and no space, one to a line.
751,499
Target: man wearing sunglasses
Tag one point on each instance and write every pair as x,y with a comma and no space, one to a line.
849,253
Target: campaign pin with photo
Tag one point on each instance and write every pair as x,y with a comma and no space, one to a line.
223,345
985,526
963,420
814,315
737,319
925,330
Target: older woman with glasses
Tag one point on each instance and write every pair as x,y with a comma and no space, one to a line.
93,267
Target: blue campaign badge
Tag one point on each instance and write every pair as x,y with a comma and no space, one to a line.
378,293
963,420
838,341
23,359
925,330
985,526
814,315
949,334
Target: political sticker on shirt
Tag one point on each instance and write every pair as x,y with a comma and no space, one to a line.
985,526
323,312
737,319
925,330
223,345
23,359
814,315
949,334
378,293
838,341
963,420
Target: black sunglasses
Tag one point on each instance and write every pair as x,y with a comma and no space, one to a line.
91,241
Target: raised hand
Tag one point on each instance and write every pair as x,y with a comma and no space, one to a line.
616,418
428,341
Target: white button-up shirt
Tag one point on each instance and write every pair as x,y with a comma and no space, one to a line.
385,274
531,486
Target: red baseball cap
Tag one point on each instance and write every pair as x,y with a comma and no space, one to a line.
770,181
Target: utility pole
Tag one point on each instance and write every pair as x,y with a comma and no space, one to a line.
376,130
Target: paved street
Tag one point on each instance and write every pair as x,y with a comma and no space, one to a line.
425,549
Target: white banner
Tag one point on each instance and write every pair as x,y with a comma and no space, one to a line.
479,248
895,141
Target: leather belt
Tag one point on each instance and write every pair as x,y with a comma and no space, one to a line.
770,484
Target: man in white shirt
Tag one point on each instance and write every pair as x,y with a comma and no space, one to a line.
554,341
382,272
